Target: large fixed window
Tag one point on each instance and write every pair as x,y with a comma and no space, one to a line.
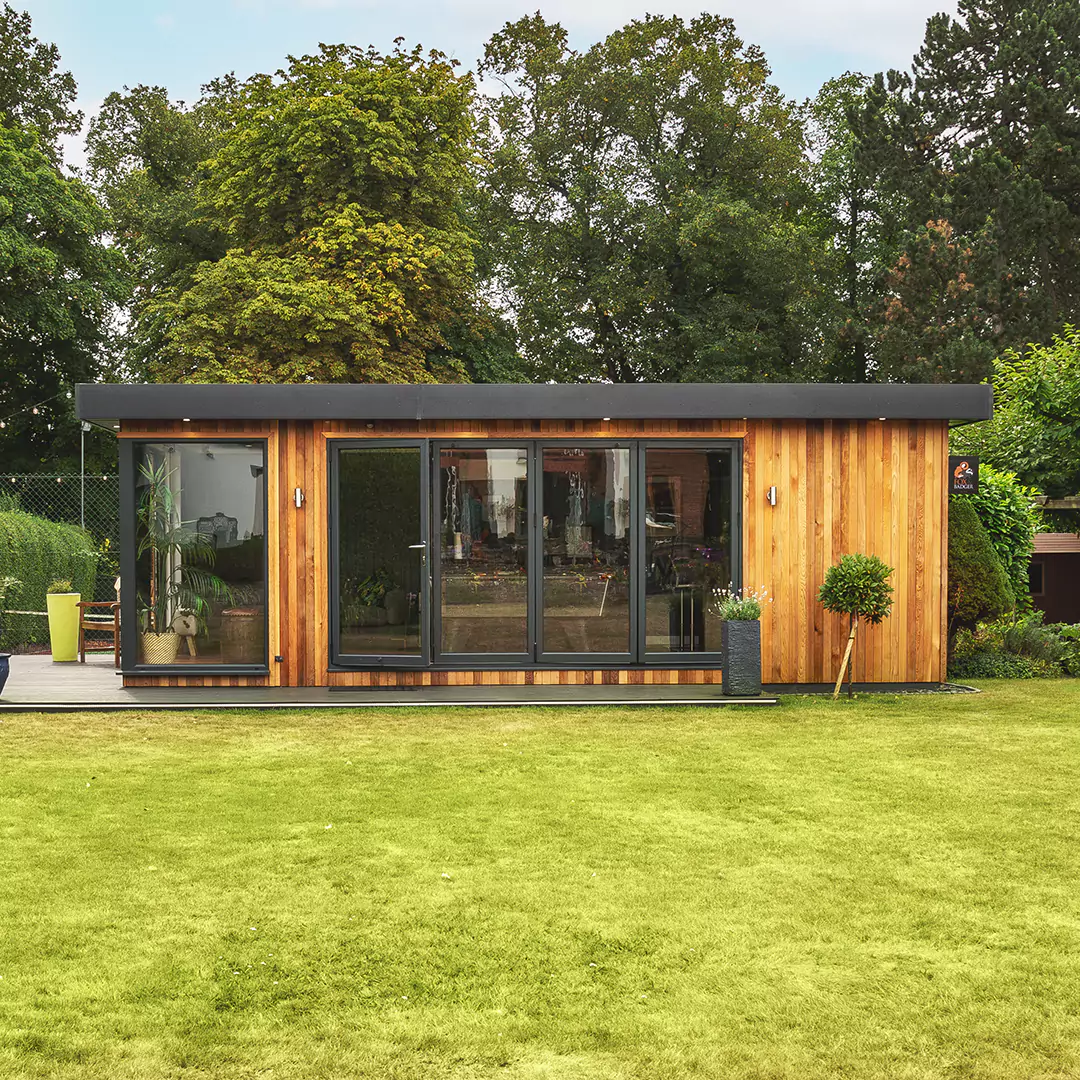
483,551
533,552
200,552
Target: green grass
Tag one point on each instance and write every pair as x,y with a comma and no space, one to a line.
887,888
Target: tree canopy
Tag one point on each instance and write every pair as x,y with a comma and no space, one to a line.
643,203
977,149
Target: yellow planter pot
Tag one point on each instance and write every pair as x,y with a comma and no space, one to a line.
63,625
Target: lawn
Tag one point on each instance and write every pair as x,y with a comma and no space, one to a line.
884,888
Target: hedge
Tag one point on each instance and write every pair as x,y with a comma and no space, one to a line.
978,587
37,552
1008,514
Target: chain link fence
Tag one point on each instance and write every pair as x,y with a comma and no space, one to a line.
89,500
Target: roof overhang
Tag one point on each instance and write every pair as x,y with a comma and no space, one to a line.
106,403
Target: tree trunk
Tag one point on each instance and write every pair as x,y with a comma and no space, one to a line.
844,662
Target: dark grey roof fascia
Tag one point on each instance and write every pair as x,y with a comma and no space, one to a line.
106,402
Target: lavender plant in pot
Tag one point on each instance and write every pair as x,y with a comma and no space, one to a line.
9,586
739,611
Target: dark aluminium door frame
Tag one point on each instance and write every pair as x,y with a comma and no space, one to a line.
387,660
431,625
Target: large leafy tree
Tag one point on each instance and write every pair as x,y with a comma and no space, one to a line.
338,188
1035,430
34,92
855,222
982,138
58,285
144,158
58,280
645,202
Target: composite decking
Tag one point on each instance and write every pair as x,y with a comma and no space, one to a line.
37,684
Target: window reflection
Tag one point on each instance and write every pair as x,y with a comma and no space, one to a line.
688,536
586,536
201,553
484,550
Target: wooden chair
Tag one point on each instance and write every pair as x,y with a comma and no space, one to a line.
100,624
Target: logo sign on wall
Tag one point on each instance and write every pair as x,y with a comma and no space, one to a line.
963,475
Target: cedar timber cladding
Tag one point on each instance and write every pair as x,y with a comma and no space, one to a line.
876,487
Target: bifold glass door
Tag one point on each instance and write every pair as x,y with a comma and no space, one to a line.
483,553
531,553
379,590
588,552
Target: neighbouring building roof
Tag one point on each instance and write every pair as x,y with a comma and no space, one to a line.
1057,543
111,402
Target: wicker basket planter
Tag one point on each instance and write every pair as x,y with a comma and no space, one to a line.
740,641
159,648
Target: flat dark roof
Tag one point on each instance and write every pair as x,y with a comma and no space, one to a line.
105,403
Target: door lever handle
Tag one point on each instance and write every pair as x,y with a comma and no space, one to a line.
413,547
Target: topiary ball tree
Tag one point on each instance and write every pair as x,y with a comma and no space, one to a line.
857,587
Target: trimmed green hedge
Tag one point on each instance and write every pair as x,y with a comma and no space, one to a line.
37,552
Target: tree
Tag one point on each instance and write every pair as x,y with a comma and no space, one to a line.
34,93
644,203
144,158
978,587
856,587
853,218
1035,430
304,226
983,135
59,285
1010,517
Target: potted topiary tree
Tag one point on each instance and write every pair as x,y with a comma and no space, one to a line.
856,587
180,581
739,611
9,586
63,607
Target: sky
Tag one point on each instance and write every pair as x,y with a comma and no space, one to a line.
181,44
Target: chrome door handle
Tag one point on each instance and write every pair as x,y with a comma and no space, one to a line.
413,547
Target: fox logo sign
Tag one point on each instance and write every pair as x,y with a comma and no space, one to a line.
963,475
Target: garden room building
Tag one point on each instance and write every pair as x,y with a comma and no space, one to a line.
439,535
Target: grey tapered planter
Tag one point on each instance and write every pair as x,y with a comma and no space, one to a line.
741,644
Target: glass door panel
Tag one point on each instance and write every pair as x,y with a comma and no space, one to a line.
586,551
483,580
381,573
688,546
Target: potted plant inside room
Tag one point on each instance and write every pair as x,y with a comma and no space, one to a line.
180,579
9,587
62,603
739,611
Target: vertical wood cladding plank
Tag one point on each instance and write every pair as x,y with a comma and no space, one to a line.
320,504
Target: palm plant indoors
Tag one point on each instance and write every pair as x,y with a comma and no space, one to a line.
181,582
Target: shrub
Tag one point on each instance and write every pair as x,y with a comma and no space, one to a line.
1007,512
1021,648
995,664
37,552
61,585
740,605
1070,647
977,587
